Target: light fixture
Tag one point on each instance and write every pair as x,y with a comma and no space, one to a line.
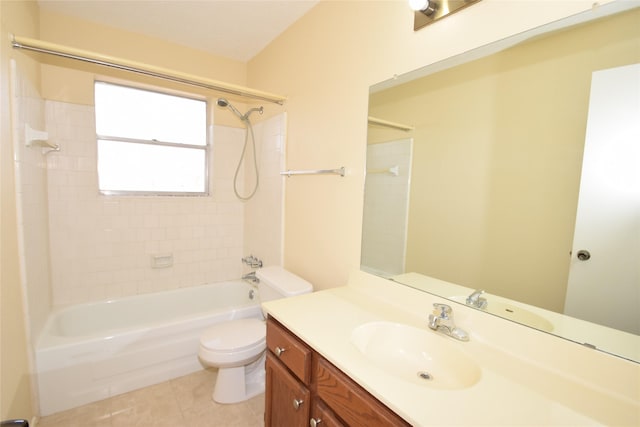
428,7
428,11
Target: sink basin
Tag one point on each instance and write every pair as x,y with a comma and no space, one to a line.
420,356
513,313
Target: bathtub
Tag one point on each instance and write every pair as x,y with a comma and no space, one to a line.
93,351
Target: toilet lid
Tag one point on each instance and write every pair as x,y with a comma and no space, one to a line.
234,335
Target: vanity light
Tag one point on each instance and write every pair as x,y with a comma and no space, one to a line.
428,11
425,6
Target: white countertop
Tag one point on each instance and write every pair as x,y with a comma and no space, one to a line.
527,378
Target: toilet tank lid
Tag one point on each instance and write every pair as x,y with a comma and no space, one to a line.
287,283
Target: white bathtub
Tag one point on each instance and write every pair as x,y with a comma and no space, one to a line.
93,351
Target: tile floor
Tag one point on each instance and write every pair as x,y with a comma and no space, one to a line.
181,402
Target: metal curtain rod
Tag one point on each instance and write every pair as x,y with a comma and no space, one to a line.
141,68
339,171
376,121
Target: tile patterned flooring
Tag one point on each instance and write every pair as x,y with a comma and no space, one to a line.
181,402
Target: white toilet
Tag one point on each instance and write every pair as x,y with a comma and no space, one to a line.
238,347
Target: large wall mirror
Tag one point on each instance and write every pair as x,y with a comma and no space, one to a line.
487,188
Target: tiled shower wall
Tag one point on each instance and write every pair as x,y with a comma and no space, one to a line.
102,246
264,213
386,201
31,196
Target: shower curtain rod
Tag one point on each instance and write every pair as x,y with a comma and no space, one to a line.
376,121
141,68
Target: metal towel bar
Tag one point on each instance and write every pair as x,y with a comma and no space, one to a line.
339,171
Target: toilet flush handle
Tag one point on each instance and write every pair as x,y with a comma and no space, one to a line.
279,351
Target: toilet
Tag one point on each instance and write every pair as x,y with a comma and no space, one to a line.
238,347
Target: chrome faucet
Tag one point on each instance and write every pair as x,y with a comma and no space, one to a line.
251,278
442,321
475,300
252,261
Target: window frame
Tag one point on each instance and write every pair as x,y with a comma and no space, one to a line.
206,148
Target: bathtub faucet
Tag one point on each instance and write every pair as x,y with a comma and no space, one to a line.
252,261
251,278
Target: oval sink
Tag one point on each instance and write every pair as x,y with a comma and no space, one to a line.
513,313
415,355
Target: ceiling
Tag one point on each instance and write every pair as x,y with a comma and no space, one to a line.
236,29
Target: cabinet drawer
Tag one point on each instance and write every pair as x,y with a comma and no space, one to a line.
287,348
349,401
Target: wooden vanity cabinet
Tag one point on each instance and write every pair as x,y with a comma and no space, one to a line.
304,389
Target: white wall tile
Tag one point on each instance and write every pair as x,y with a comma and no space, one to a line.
386,201
101,247
31,198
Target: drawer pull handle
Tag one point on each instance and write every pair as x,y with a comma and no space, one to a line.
314,422
297,403
279,351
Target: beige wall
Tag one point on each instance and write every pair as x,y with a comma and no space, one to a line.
15,381
498,154
325,64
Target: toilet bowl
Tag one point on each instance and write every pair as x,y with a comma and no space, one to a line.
238,347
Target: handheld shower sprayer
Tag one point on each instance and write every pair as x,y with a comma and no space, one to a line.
224,103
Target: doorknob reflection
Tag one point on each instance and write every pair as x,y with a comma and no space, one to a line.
583,255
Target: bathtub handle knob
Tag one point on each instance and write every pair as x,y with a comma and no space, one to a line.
279,351
297,403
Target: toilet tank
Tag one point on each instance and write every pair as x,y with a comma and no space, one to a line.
276,283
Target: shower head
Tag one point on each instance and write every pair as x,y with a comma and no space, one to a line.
222,102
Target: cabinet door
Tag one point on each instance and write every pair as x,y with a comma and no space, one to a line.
288,402
322,416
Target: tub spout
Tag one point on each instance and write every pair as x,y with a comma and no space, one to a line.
251,278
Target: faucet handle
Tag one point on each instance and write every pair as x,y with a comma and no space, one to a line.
441,310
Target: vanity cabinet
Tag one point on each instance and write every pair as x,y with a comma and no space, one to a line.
304,389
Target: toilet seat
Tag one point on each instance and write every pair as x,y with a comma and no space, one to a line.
233,343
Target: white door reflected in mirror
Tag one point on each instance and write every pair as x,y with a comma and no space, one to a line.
605,287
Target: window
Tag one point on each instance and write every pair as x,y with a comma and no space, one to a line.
150,143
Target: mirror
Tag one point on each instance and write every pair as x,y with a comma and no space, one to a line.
493,181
